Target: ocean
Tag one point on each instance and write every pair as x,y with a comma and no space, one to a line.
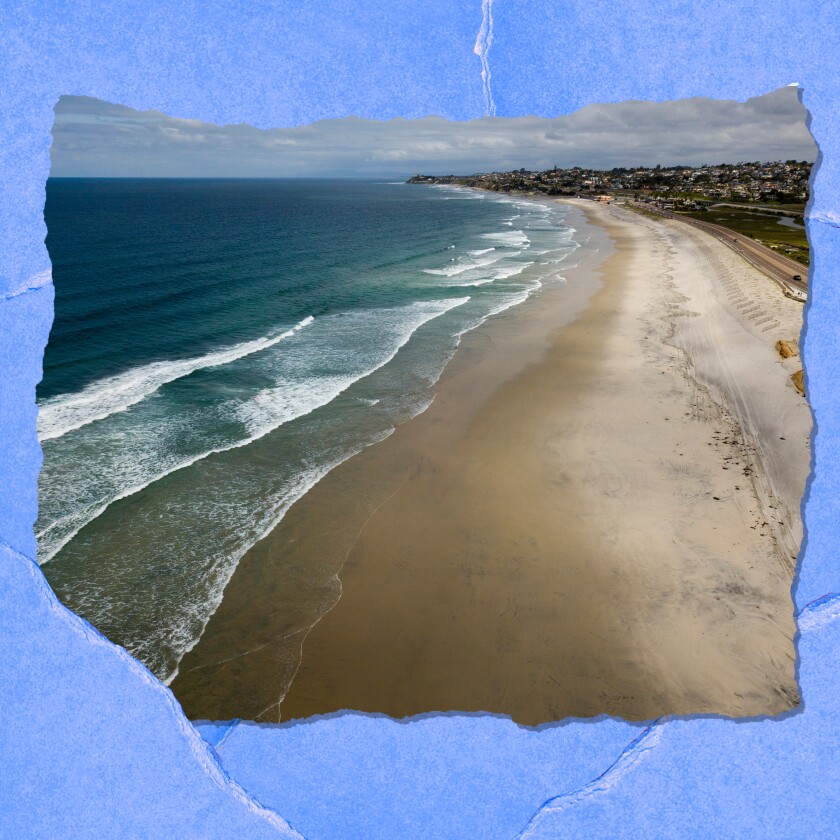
220,345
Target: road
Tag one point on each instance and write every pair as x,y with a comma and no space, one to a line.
775,266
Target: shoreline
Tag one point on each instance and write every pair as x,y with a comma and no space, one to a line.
560,534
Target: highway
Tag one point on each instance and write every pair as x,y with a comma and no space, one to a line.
774,265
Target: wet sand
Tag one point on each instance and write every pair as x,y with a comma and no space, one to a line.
592,517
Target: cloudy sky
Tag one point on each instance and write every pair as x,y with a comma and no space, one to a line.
92,137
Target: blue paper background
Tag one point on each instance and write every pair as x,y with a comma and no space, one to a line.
90,744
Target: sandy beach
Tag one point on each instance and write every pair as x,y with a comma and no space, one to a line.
599,513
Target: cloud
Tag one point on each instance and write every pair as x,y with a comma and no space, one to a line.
91,137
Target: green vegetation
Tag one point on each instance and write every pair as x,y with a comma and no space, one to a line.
788,237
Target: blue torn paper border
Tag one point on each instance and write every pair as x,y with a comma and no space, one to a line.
91,745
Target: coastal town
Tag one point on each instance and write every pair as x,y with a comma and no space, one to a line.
764,202
777,182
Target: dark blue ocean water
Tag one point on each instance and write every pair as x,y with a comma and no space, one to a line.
219,345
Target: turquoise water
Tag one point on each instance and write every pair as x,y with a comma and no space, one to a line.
220,345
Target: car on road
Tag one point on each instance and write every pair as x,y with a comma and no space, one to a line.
797,277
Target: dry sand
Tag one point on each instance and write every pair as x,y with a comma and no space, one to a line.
596,517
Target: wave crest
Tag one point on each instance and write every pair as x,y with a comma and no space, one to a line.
67,412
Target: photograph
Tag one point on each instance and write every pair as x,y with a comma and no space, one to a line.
419,421
505,415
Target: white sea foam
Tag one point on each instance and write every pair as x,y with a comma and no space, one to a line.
502,273
564,250
457,193
511,270
509,238
67,412
292,399
136,451
462,267
480,251
499,303
513,299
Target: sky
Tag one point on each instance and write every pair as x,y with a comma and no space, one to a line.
96,138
